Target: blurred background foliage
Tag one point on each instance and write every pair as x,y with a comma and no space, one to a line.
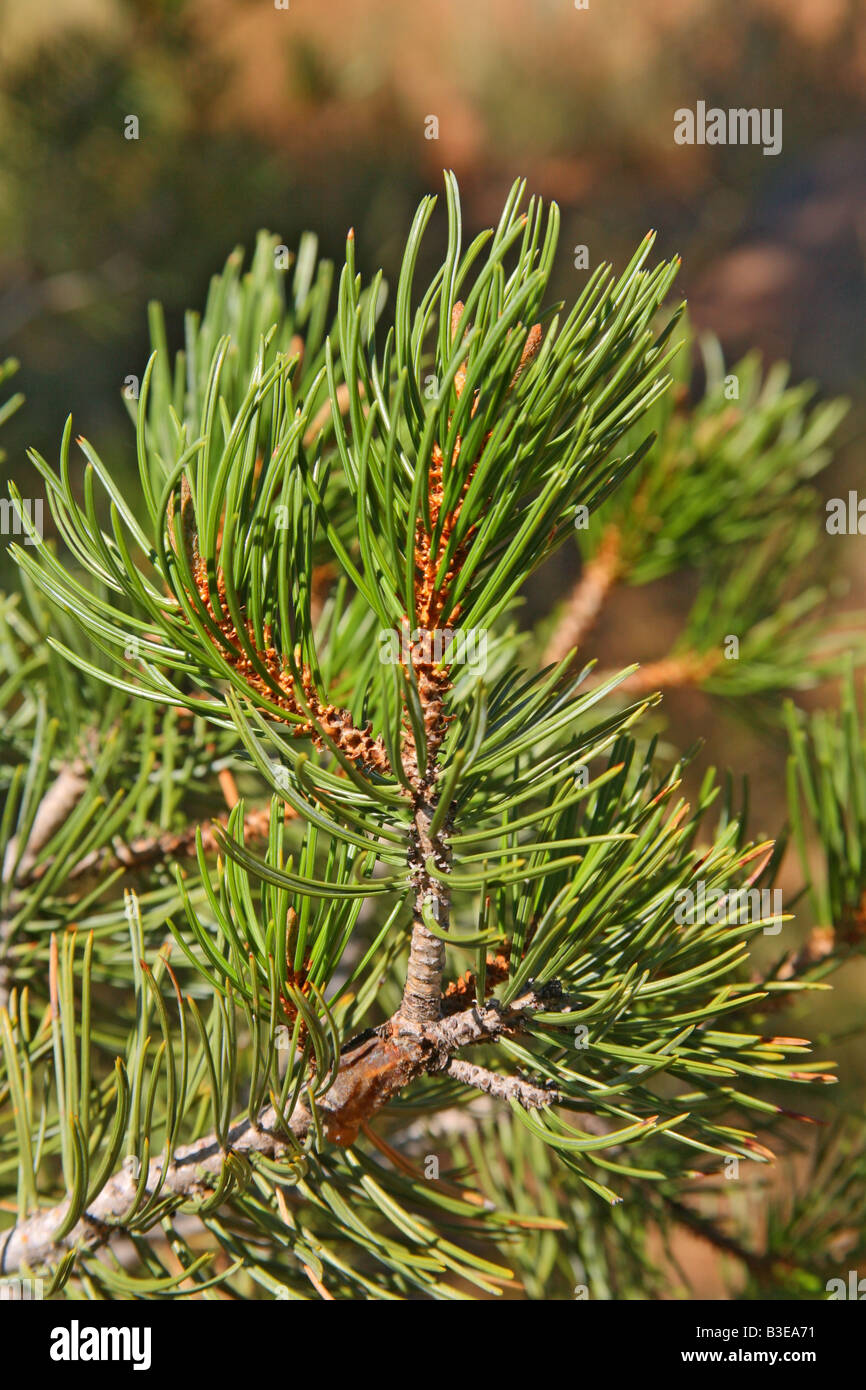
314,117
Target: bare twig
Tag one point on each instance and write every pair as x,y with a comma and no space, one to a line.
688,668
762,1266
503,1087
56,805
152,849
674,672
422,993
585,601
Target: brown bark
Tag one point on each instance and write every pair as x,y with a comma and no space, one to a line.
670,673
585,601
422,993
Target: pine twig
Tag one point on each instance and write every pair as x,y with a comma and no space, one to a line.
306,712
149,850
55,806
586,599
761,1266
689,668
372,1071
422,994
503,1087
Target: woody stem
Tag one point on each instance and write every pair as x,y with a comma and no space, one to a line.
369,1076
422,994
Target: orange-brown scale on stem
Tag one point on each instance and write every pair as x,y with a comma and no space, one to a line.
433,678
357,744
430,601
460,993
369,1076
296,979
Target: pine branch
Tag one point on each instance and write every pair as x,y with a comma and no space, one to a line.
586,600
503,1087
422,994
149,850
304,492
53,810
372,1072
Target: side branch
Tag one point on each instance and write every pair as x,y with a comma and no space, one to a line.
585,601
688,668
372,1071
55,807
153,849
503,1087
422,994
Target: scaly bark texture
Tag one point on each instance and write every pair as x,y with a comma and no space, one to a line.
422,993
503,1087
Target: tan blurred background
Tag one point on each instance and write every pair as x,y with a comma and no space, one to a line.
314,116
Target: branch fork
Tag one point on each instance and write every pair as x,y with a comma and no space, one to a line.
372,1071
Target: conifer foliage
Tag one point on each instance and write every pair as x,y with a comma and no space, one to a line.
339,945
